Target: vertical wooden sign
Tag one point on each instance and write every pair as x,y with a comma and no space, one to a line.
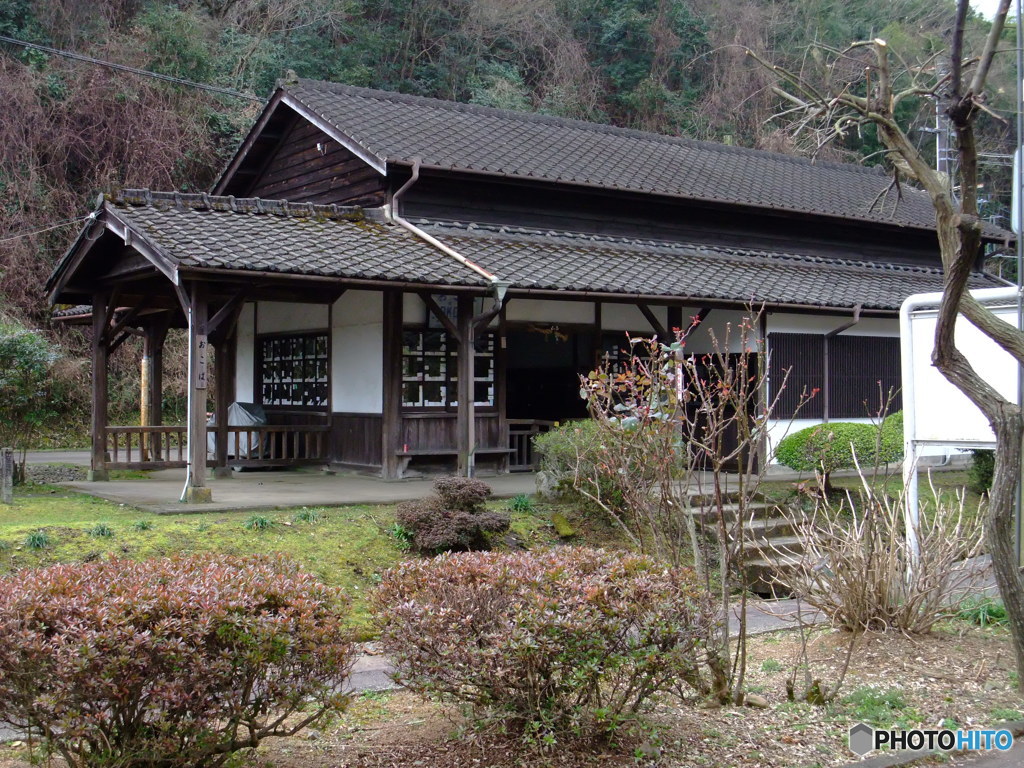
200,361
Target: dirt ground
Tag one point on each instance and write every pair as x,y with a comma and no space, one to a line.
959,676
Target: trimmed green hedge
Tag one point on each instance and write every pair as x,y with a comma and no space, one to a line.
827,447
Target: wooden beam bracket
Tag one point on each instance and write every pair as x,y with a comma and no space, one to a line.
656,325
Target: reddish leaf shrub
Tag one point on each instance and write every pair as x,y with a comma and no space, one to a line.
569,643
171,662
455,518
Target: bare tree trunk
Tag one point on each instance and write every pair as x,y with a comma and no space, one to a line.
1000,528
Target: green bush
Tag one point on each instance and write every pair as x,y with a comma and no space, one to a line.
168,662
570,643
825,448
983,466
573,450
32,388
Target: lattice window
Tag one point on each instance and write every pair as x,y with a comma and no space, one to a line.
294,370
430,369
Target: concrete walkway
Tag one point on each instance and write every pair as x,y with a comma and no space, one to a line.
160,491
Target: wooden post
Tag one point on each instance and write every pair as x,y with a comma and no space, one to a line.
197,491
392,401
466,414
98,466
7,475
500,390
151,386
675,323
154,341
225,390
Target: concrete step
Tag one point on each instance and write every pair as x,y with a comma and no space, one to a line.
774,547
756,511
767,527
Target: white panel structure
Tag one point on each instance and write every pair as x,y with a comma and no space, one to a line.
942,413
934,411
357,353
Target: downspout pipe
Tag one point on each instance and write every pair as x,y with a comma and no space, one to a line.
913,303
498,286
832,334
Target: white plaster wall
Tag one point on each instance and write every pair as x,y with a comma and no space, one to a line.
626,317
540,311
245,355
357,352
414,311
868,326
284,316
720,324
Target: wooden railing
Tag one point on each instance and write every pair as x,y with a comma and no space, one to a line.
165,447
520,441
276,445
162,447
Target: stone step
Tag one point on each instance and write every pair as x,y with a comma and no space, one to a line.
774,547
756,510
767,527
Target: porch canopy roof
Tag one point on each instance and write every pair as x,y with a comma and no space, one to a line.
192,236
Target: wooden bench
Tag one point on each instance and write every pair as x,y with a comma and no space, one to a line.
404,457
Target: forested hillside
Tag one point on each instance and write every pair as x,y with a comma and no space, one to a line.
70,130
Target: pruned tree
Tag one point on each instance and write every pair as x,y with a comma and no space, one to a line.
862,87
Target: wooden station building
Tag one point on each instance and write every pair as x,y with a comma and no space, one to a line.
403,282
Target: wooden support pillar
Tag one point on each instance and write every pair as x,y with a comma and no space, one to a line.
98,467
225,362
466,414
152,393
197,490
675,323
391,421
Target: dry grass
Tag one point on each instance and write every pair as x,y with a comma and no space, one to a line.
958,674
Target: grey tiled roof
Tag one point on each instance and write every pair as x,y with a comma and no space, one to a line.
275,236
562,261
398,128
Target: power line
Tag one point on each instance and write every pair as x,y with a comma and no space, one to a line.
58,225
131,70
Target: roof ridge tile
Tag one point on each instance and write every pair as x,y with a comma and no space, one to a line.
202,201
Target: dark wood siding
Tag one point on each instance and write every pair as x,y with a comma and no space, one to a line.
309,166
547,207
436,431
356,439
862,372
803,356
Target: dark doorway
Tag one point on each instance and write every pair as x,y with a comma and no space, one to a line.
543,366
